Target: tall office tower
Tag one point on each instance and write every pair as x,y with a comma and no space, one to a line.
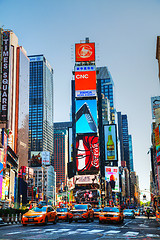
107,88
40,106
14,82
125,140
131,153
120,135
61,151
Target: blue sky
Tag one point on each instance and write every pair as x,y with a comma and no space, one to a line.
125,34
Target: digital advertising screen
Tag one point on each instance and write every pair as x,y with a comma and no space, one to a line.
87,153
112,178
84,52
86,116
110,141
36,159
85,84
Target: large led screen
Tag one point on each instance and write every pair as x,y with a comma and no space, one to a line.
85,84
112,178
110,141
86,116
36,159
85,52
87,154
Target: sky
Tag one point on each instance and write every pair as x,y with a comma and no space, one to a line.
125,34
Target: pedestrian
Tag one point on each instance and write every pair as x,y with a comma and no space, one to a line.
148,212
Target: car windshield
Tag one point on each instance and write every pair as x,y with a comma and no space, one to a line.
109,209
80,207
61,210
37,209
97,210
128,210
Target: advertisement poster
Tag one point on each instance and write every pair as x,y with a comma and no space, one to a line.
155,103
70,145
112,178
45,158
158,153
84,52
110,140
86,116
5,150
36,159
85,82
158,177
87,154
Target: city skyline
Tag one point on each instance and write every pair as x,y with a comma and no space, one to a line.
125,35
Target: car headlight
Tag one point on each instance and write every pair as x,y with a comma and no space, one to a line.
115,216
101,215
37,216
23,216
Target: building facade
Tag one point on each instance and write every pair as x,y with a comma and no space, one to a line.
107,88
61,151
41,106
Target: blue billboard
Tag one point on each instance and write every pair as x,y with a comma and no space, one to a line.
86,116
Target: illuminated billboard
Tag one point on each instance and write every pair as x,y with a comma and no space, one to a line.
87,154
36,159
45,158
85,52
155,104
112,178
85,84
110,141
5,76
86,116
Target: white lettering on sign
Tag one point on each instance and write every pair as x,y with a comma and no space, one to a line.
82,76
5,76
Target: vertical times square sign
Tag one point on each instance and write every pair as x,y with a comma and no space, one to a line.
5,76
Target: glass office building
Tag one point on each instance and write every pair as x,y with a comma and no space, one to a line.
107,88
131,153
40,106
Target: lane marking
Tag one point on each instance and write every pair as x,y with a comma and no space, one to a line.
81,229
13,233
131,233
112,232
152,235
71,232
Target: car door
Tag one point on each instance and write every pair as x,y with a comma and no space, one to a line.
49,213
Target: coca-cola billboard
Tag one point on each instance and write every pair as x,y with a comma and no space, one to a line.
85,52
87,154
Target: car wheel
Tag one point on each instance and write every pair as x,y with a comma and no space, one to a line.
76,220
70,220
24,225
92,220
87,220
46,221
100,221
55,220
66,219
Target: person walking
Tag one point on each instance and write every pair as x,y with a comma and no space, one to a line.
148,212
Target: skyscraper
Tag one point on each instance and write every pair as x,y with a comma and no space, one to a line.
107,88
41,106
131,153
125,140
61,150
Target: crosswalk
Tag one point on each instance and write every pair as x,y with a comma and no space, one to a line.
82,231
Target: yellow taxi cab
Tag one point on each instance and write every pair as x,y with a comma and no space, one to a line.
64,214
158,213
40,215
111,214
97,211
82,212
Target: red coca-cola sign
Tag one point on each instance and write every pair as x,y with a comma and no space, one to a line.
87,153
85,52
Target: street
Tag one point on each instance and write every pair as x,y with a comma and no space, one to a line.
138,228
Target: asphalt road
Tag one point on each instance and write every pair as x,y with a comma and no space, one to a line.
139,228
